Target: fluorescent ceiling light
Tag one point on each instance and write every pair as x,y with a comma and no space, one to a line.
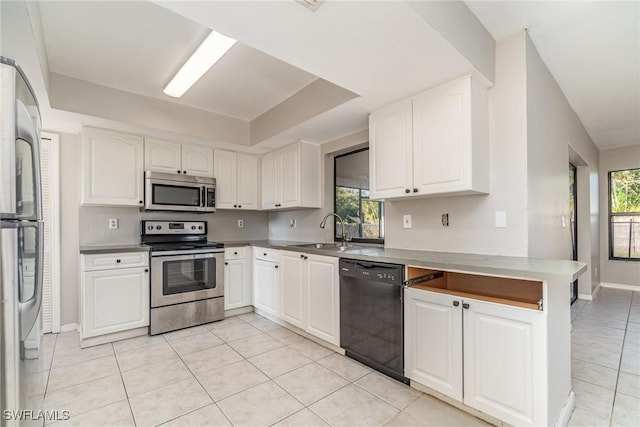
207,54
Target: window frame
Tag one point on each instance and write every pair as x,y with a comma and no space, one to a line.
335,220
611,215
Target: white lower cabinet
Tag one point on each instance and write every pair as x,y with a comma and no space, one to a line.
113,299
266,281
310,294
490,356
237,278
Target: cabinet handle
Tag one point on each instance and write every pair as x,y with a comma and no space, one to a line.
146,270
456,303
407,191
465,305
118,261
415,190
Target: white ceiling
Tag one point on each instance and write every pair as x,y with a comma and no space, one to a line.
593,51
138,47
381,50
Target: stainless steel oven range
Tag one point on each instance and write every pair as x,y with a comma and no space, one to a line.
187,281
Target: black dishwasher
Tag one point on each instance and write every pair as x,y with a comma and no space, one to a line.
371,315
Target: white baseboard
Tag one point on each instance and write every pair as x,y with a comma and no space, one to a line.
567,410
70,327
620,286
585,297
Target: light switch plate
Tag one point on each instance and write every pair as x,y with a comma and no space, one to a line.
501,219
406,221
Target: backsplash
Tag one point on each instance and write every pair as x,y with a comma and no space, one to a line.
222,225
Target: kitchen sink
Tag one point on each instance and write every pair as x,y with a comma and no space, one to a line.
337,247
326,246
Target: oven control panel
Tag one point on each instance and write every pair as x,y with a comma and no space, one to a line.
174,227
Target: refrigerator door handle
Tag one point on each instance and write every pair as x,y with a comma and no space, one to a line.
26,131
30,308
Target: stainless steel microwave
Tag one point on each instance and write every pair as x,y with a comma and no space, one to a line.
169,192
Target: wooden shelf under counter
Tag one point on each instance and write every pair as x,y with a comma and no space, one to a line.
514,292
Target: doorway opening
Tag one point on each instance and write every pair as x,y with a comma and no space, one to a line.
573,221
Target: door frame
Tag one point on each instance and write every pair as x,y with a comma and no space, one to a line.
54,139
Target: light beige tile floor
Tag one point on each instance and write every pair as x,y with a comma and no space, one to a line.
246,370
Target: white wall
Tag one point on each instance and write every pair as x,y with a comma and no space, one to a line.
472,218
555,135
69,231
618,272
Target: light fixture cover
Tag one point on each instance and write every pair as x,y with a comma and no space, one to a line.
207,54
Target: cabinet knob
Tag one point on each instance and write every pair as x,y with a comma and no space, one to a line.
226,263
415,190
276,266
118,261
407,191
235,206
264,254
146,270
179,171
456,303
140,201
184,172
465,305
239,206
235,253
302,256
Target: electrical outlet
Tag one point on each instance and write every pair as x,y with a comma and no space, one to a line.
406,221
445,219
501,219
240,223
113,223
292,223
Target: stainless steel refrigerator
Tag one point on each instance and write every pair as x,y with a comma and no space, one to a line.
21,248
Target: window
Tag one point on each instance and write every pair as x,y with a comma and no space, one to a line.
624,214
363,218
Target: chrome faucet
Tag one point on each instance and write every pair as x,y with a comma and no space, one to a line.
324,222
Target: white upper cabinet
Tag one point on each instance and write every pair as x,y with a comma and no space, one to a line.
102,151
291,177
236,180
173,157
434,143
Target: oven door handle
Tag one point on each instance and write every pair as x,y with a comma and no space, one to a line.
203,197
186,256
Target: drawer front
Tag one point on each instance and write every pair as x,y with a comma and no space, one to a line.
235,253
115,260
266,254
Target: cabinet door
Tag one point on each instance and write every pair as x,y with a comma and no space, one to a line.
114,300
197,160
290,176
390,157
162,156
265,286
237,284
112,168
225,170
247,181
323,298
270,181
442,139
433,340
505,362
293,288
